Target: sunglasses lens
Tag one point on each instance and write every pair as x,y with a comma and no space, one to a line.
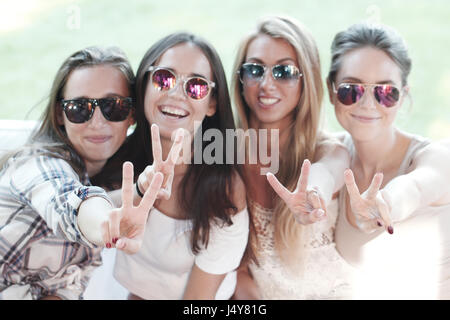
387,95
163,79
349,94
115,109
251,72
285,72
197,88
78,111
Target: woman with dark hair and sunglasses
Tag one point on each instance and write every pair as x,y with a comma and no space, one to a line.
403,177
53,222
277,85
197,231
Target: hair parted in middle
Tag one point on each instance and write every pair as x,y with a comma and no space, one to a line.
289,235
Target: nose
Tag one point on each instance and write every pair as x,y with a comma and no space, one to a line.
267,80
368,100
177,92
97,120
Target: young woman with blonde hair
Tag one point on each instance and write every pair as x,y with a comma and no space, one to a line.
277,86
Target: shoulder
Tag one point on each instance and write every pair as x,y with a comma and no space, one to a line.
434,152
35,167
332,144
238,193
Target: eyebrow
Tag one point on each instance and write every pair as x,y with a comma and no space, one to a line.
356,80
278,61
108,95
193,74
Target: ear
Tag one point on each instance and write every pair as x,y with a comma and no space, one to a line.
59,114
132,118
212,107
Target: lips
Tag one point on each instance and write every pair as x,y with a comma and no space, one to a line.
267,101
366,119
98,139
173,112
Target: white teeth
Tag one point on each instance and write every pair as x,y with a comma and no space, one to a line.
267,101
174,111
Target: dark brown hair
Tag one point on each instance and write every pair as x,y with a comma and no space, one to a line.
206,188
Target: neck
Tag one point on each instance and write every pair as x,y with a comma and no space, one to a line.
376,155
94,167
282,126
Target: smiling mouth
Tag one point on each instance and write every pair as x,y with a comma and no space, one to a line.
173,112
365,118
98,139
268,101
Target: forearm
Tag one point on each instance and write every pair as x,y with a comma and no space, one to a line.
407,193
91,214
320,177
246,288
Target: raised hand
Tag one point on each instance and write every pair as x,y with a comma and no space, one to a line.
370,209
307,205
126,225
166,167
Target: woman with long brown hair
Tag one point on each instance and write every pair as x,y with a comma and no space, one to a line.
197,232
53,222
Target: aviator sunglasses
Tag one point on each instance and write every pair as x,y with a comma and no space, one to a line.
164,79
252,73
81,110
349,93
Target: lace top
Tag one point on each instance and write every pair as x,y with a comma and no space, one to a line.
326,274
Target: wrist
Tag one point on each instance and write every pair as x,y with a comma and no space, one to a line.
138,191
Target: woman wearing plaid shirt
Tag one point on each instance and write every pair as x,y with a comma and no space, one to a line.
53,222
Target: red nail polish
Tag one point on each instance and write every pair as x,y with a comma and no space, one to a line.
108,245
379,224
390,230
114,240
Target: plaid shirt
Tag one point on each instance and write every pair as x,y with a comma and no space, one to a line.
42,250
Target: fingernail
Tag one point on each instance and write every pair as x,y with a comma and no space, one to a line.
114,240
390,230
108,245
379,224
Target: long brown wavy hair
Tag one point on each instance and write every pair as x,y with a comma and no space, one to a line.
51,137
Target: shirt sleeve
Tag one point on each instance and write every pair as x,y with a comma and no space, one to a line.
226,246
51,188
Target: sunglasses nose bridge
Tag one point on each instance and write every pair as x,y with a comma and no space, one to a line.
267,78
368,100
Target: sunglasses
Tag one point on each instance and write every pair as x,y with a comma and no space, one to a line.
81,110
196,88
349,93
251,73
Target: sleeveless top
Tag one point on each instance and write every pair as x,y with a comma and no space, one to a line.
413,263
325,274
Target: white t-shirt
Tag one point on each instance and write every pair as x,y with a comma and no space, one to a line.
161,269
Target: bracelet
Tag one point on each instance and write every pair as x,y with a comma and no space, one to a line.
139,191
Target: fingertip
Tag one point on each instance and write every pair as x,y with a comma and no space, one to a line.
120,244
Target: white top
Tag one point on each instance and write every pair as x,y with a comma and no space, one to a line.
325,275
161,269
413,263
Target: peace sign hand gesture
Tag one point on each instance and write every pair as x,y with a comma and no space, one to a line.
126,225
370,209
166,167
307,205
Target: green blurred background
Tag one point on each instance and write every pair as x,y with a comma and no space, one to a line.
36,36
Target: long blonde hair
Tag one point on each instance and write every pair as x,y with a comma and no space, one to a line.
289,235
